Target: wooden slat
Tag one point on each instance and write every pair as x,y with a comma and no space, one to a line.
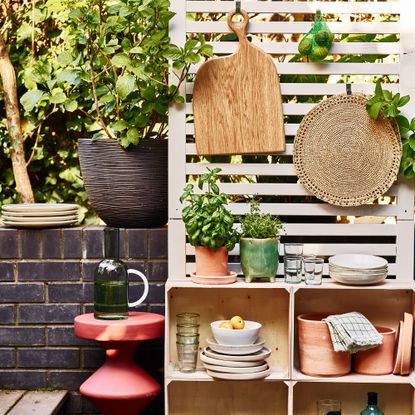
290,129
295,27
8,399
301,68
321,89
39,403
343,7
319,209
243,169
191,149
341,48
271,189
328,249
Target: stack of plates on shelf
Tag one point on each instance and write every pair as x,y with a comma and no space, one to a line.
39,215
358,269
403,346
234,362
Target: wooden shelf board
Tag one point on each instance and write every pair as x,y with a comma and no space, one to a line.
173,374
354,378
326,285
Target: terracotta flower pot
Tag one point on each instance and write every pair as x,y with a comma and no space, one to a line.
259,258
211,262
317,355
379,360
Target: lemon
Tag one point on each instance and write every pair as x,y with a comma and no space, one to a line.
226,325
323,38
237,322
305,46
319,52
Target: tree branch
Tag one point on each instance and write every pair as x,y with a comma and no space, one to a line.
11,102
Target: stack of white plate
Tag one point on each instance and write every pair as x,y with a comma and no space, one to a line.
358,269
234,362
39,215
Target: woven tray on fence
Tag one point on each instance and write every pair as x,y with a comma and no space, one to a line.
343,156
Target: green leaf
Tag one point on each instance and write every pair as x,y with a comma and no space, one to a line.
71,105
374,109
403,124
57,98
378,89
119,125
173,52
413,124
133,136
65,58
387,95
179,99
30,99
404,100
71,76
120,60
125,85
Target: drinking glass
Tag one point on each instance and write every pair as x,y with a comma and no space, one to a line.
313,270
187,356
328,407
293,249
188,328
187,338
292,269
187,318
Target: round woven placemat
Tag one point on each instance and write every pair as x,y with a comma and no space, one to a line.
343,156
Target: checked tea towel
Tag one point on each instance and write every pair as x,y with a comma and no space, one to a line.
352,332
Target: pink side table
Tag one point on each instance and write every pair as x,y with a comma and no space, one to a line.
120,386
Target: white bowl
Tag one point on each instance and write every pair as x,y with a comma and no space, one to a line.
358,261
236,337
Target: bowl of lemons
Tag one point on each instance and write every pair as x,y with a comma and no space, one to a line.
236,331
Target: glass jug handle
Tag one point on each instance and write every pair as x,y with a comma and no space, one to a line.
145,293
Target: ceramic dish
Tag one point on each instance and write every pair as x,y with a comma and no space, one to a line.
228,363
398,350
241,337
408,325
236,350
214,280
42,219
363,280
40,214
239,376
358,261
39,207
38,224
353,271
228,369
254,357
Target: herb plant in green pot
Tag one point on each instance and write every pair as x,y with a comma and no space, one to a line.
259,244
209,226
117,64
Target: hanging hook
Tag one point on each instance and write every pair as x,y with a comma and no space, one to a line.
238,7
349,89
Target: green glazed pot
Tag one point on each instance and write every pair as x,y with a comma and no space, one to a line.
259,258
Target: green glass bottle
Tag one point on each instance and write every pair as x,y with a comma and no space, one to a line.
111,283
372,405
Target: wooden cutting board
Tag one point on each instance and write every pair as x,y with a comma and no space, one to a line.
237,101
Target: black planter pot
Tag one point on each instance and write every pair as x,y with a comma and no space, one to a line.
127,188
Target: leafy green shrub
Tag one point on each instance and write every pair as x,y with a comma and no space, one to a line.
259,225
116,64
208,223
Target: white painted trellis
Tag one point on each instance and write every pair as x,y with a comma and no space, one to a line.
393,240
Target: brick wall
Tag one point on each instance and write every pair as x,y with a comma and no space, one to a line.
46,279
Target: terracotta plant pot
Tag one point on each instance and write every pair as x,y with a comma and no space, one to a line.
317,356
211,262
379,360
259,258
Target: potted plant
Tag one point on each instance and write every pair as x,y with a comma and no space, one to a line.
259,244
209,225
117,64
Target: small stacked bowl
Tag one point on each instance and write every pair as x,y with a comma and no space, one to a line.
187,341
237,354
358,269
